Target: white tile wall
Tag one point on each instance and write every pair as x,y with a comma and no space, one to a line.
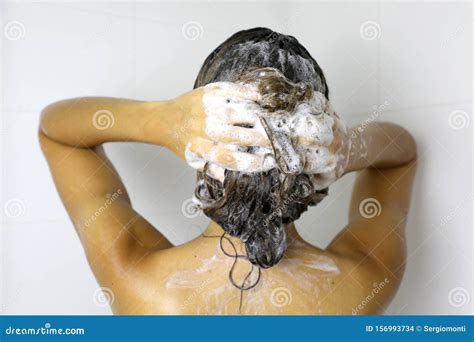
331,33
417,67
424,54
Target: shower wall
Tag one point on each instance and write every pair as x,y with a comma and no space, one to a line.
400,62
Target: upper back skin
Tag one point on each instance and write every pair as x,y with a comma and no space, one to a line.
194,279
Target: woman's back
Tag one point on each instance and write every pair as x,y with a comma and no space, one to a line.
194,279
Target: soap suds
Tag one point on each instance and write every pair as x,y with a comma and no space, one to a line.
191,278
310,273
306,141
301,138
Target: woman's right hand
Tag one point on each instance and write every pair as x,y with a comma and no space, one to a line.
211,123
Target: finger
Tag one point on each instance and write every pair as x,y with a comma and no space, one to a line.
229,158
313,130
220,131
241,136
243,113
323,180
309,142
319,101
232,90
216,172
199,164
318,160
237,113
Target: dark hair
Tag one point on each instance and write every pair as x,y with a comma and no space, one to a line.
255,206
261,47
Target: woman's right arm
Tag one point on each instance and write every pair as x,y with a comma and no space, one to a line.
202,121
91,121
115,237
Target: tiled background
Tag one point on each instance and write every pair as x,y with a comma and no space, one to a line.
409,63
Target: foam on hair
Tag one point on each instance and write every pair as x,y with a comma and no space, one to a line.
258,48
256,206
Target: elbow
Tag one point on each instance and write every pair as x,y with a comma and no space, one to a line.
51,121
48,120
409,145
404,140
47,116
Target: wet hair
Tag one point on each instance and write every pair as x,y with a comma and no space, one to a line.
255,206
258,48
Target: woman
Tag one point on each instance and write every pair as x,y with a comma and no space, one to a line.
244,264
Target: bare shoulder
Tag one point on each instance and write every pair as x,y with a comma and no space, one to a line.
338,283
371,249
362,287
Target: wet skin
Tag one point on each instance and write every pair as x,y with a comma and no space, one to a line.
148,275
